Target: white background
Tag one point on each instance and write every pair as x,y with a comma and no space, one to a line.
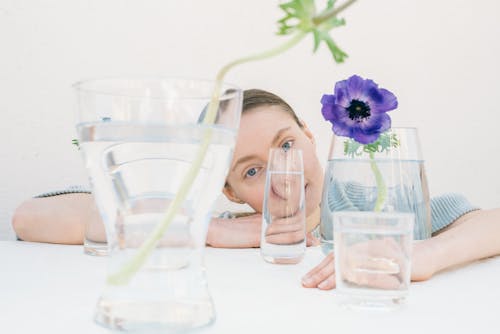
439,57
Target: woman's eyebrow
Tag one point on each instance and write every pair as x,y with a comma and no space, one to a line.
243,160
278,134
276,138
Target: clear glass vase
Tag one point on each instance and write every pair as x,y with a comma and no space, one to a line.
353,182
140,137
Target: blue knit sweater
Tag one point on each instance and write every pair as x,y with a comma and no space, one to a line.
445,209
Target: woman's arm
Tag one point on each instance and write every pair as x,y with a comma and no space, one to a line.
243,232
474,236
57,219
62,219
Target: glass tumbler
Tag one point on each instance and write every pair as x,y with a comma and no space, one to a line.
373,258
283,238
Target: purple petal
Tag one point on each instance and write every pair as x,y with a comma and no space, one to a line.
342,94
341,130
364,138
368,85
328,99
326,110
376,123
382,100
332,112
340,113
355,87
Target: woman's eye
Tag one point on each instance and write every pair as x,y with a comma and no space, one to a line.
251,172
287,145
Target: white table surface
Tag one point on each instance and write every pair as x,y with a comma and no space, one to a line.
53,289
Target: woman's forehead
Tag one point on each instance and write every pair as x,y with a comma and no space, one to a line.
265,114
259,126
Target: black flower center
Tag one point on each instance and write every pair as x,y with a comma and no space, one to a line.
358,110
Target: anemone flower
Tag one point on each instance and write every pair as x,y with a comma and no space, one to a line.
358,109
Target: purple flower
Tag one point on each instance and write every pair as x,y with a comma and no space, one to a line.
358,109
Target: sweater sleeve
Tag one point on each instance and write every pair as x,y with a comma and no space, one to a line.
447,208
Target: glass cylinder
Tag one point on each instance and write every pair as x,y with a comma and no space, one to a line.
283,234
141,138
372,258
388,180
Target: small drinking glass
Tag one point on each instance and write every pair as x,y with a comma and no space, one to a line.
373,258
283,238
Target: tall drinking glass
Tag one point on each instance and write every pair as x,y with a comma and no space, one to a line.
283,238
140,136
352,183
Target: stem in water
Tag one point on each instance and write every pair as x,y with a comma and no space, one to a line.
381,187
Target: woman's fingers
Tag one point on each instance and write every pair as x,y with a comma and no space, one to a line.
377,263
323,274
311,240
378,280
286,238
289,230
328,283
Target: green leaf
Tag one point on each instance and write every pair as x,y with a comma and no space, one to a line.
338,55
299,15
76,143
383,144
352,148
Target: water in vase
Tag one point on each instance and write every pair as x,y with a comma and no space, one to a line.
350,185
136,172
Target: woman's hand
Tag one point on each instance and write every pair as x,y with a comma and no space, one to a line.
323,275
245,232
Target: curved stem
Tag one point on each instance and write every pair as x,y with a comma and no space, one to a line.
297,37
130,268
381,187
328,14
127,271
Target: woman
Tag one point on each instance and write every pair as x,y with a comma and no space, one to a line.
268,121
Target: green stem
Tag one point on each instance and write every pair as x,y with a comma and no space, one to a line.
328,14
381,188
296,38
127,271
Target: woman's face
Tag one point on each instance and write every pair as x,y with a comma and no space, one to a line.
260,129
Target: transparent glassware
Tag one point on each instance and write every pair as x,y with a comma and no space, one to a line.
283,233
373,258
350,184
139,137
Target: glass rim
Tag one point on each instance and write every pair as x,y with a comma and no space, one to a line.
80,86
408,128
377,214
401,221
410,151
